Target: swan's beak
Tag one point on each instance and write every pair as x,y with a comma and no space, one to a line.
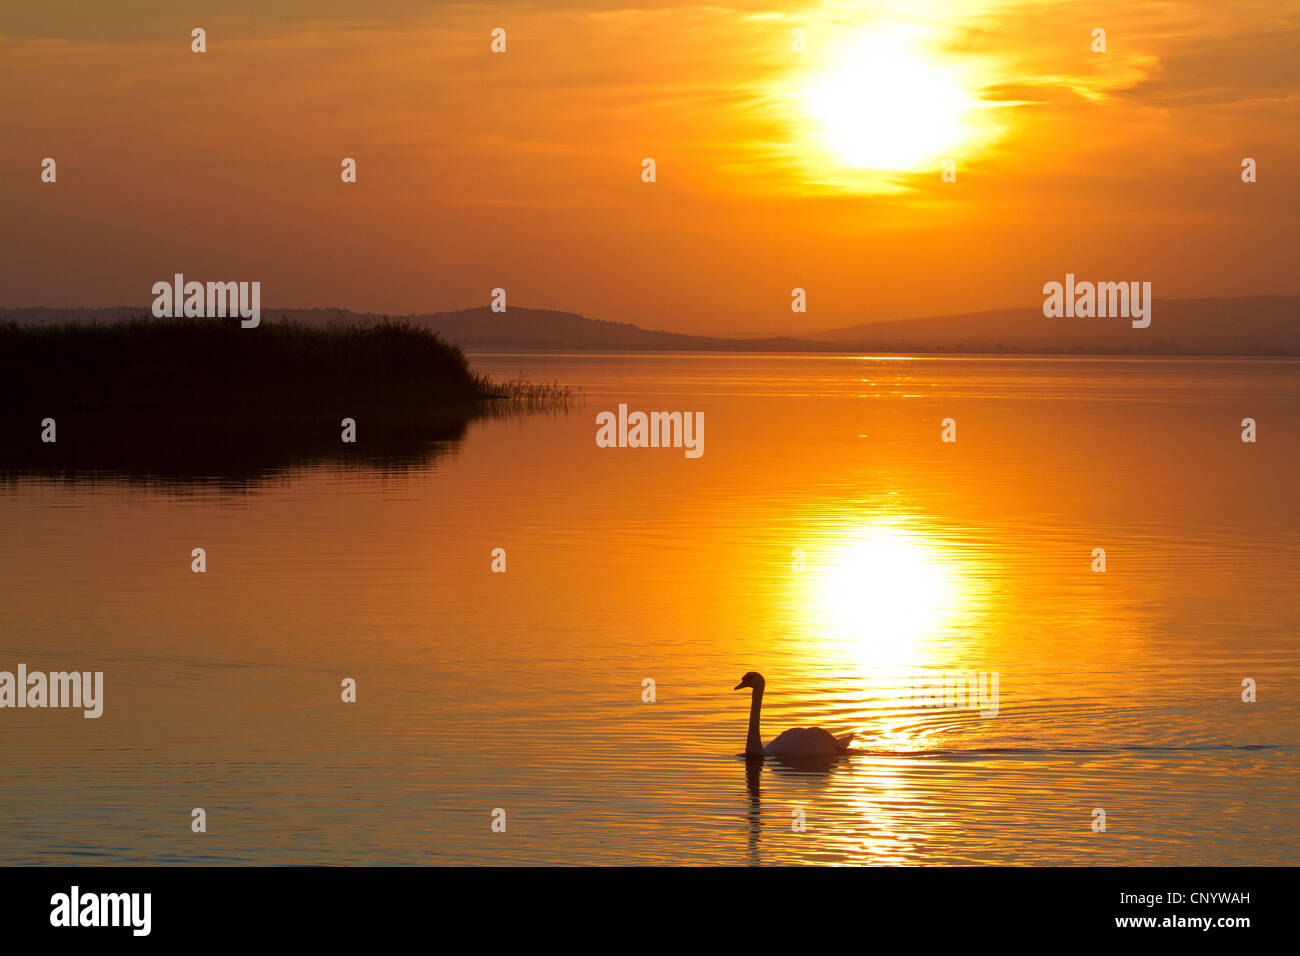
740,685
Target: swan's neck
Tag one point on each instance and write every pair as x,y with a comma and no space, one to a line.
754,743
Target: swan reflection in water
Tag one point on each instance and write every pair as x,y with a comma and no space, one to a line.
811,773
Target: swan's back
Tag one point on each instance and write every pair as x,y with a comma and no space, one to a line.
803,742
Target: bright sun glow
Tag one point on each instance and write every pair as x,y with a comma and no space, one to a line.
886,103
885,591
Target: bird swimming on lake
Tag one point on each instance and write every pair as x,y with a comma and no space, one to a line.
799,742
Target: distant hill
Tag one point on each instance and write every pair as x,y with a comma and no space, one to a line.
479,328
1250,325
1254,325
516,328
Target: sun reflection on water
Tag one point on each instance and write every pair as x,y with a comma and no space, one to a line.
881,601
885,594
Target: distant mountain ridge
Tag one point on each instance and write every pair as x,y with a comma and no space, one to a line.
1252,325
1245,325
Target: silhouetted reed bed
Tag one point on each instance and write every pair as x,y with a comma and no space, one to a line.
205,398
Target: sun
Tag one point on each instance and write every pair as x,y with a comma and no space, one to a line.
885,102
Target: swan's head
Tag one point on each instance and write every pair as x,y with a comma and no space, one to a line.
753,679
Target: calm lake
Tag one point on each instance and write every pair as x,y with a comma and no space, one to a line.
827,537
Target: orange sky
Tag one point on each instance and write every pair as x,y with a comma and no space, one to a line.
523,170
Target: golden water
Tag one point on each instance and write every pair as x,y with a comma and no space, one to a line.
827,538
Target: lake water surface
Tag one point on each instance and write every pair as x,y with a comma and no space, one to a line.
826,538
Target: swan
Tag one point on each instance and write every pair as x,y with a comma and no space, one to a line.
799,742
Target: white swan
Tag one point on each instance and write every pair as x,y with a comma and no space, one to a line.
799,742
